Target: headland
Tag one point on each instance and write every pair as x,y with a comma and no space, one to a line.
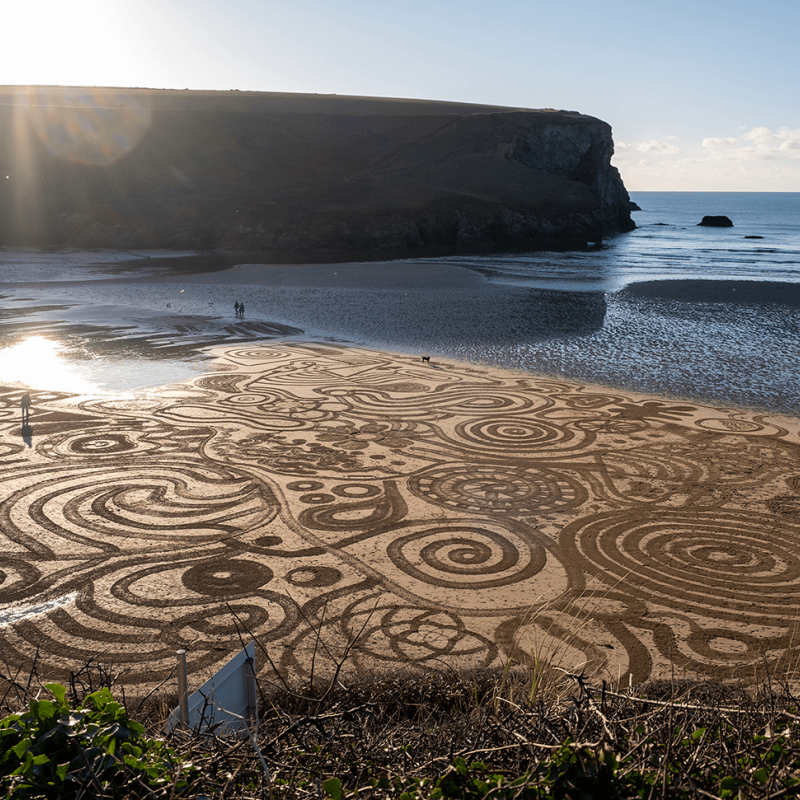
269,172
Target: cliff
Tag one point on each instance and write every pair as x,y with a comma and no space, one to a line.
135,168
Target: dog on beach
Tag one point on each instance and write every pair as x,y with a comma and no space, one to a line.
426,358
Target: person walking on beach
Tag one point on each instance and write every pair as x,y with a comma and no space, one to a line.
241,309
236,307
25,405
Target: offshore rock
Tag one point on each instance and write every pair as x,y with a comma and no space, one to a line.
135,168
720,221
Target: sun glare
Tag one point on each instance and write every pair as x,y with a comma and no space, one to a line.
37,363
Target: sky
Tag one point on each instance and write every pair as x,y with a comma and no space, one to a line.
701,95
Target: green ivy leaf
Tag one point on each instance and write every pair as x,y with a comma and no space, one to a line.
333,787
761,775
58,691
20,748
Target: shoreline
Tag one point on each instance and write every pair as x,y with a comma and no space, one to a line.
185,266
600,387
626,339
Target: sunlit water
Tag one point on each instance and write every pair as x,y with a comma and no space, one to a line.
47,364
37,363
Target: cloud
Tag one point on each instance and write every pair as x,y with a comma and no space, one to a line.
754,159
715,141
654,146
758,135
766,144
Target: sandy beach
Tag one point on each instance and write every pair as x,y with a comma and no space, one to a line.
334,500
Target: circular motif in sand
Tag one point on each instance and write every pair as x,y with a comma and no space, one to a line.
485,488
709,563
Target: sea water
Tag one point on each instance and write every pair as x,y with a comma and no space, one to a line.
668,245
568,314
730,353
561,314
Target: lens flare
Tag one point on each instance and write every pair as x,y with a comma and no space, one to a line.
89,126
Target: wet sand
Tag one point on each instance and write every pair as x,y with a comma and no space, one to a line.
627,339
732,292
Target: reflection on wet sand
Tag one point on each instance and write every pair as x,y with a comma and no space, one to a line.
39,363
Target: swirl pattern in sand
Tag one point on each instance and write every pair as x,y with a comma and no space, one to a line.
334,501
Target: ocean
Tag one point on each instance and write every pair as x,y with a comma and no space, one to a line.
724,352
576,315
668,245
570,314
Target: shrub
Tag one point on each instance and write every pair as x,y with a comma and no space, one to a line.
54,751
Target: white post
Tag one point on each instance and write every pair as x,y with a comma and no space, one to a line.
183,692
252,693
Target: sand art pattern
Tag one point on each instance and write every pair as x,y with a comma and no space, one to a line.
324,497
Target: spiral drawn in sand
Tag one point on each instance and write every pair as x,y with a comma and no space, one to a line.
732,425
357,508
220,383
491,401
257,356
434,512
252,399
465,556
512,436
110,443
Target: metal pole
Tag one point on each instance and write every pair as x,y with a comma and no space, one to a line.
183,694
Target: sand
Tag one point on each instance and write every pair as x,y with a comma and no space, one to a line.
719,291
337,501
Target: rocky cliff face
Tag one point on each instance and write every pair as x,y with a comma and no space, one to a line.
259,171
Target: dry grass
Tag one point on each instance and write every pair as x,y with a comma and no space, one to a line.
475,734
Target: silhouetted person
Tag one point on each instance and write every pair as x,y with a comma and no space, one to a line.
241,309
25,405
236,307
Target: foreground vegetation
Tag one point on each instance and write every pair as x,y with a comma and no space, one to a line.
439,735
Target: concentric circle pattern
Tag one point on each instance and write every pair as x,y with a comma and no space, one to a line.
142,505
517,436
489,489
339,503
729,569
714,563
